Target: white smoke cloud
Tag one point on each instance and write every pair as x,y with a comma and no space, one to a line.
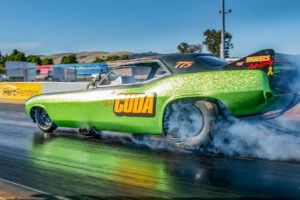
246,139
277,139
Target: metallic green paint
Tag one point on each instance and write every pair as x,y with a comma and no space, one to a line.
244,92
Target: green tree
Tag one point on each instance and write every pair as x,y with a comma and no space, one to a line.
213,42
184,47
97,60
34,59
2,69
109,58
2,63
47,61
1,59
20,57
124,57
69,59
16,56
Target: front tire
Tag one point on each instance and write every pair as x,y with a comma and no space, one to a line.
43,121
188,124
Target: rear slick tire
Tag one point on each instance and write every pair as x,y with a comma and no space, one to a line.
188,124
43,121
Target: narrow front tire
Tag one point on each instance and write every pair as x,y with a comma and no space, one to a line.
43,121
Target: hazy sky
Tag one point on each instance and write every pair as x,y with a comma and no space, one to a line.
57,26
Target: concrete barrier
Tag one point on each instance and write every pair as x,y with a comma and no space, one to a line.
19,92
50,87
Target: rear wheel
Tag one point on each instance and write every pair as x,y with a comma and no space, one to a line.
43,120
188,124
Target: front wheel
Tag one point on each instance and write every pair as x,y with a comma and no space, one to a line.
43,120
188,124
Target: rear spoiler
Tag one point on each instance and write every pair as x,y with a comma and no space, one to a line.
262,60
283,70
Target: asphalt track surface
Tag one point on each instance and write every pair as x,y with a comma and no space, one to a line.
68,165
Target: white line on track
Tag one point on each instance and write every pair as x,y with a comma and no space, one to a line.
32,189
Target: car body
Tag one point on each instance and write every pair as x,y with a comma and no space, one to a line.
137,101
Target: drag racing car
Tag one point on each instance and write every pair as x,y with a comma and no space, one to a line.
178,95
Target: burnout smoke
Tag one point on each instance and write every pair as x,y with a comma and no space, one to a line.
244,138
269,139
274,139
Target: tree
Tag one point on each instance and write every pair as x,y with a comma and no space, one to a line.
2,69
97,60
184,47
213,42
112,58
2,59
2,63
47,61
16,56
34,59
124,57
69,59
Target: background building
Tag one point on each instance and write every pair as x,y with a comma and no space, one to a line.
21,71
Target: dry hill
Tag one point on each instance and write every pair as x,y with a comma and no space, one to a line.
87,57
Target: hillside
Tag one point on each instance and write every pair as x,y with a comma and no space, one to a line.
87,57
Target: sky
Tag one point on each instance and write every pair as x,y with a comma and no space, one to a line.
45,27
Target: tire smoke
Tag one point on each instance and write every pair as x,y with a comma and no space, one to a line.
277,139
260,140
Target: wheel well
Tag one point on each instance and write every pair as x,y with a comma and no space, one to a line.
32,113
211,100
220,108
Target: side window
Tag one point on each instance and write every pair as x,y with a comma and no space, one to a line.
133,73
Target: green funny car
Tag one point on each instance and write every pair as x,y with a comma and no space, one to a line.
179,95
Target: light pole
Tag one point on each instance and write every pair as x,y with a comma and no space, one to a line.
222,12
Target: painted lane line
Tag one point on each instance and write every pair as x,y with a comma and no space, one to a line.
32,189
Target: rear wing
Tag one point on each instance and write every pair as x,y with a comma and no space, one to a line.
283,70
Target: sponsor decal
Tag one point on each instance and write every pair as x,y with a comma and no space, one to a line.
135,105
260,65
183,64
258,58
20,90
239,64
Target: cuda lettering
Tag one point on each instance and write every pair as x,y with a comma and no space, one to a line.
135,105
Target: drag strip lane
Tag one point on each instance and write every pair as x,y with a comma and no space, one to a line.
64,164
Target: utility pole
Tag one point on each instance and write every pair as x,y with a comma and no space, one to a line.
222,12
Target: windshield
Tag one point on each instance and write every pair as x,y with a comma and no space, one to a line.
212,61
